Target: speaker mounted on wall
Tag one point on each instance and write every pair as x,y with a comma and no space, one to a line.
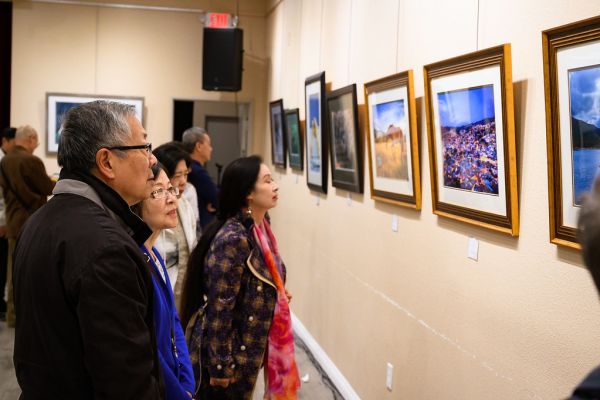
222,57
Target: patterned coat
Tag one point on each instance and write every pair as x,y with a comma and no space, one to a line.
239,311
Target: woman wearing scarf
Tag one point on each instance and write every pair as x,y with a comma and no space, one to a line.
236,276
159,212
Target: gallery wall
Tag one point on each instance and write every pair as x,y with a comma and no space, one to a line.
521,322
127,52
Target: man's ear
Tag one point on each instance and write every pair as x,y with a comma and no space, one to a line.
105,164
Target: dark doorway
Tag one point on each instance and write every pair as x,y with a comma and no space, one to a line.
225,139
5,65
183,117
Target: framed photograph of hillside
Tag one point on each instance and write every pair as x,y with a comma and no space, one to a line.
315,132
572,94
393,145
57,105
472,149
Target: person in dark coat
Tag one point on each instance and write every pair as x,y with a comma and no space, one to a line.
82,287
589,237
26,187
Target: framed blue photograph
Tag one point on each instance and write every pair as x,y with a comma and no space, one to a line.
472,145
57,105
572,95
316,132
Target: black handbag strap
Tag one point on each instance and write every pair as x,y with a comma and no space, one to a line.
19,199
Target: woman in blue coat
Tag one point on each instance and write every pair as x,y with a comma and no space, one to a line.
159,211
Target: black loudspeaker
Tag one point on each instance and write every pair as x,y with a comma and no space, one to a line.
222,59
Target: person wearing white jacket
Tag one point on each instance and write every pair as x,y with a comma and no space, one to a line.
175,245
8,142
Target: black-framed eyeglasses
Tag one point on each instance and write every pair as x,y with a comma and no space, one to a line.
161,193
145,146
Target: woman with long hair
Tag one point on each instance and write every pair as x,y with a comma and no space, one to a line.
236,278
159,212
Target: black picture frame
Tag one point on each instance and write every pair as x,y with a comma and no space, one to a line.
316,132
278,140
345,139
295,143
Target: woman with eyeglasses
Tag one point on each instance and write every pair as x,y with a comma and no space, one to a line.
176,244
159,212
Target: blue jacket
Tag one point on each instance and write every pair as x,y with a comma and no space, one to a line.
174,363
206,190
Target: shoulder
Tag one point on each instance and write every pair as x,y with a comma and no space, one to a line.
232,235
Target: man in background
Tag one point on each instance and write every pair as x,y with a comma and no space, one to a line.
26,187
197,143
8,142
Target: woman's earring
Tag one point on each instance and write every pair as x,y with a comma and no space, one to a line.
249,211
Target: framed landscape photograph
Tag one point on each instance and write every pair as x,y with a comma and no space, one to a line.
472,148
57,105
393,145
572,94
278,140
294,139
344,139
315,132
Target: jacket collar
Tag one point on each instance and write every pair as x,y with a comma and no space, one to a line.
92,188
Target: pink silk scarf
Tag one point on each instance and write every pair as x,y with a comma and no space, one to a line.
283,380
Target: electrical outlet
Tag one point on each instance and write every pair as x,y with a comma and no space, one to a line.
389,376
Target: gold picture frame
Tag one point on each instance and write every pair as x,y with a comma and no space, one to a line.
472,144
391,115
571,62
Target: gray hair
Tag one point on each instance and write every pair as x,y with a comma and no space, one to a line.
193,135
88,128
25,132
589,231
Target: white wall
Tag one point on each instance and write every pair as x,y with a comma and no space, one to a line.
126,52
523,322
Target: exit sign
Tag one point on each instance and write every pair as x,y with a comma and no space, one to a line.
218,20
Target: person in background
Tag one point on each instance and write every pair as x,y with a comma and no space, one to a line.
589,238
237,267
81,282
159,211
197,142
190,194
8,142
26,187
176,244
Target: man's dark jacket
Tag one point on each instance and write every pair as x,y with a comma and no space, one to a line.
83,296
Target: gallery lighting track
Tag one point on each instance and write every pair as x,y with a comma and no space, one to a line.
122,6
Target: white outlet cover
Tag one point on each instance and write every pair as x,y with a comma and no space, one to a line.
389,376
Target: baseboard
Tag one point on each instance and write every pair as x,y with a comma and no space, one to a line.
334,374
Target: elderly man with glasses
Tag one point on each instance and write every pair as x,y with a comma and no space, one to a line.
83,291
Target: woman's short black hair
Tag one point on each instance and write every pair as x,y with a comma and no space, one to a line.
169,155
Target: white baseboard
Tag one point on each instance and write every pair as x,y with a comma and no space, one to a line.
340,382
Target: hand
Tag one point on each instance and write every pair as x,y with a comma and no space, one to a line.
220,382
2,231
288,295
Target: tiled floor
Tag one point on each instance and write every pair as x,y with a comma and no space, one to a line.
315,386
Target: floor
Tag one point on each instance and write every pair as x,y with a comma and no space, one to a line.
315,383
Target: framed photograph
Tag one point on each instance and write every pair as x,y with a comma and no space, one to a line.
57,105
572,92
393,143
472,149
294,139
315,132
344,139
278,145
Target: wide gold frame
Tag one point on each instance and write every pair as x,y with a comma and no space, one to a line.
553,40
501,56
391,82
